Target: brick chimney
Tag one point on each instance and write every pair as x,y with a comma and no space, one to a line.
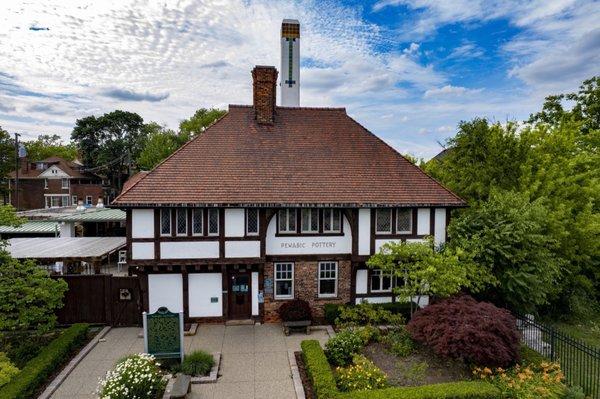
264,83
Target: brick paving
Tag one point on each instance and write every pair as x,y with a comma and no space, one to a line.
254,361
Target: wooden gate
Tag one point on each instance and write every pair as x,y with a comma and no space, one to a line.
101,298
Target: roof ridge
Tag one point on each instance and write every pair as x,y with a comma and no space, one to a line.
286,107
403,157
170,156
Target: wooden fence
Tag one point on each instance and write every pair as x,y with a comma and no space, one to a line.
101,298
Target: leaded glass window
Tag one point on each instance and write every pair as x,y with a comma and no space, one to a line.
198,221
287,220
310,220
331,220
213,221
404,220
328,279
252,221
181,222
383,220
165,222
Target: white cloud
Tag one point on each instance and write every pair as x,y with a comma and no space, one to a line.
449,91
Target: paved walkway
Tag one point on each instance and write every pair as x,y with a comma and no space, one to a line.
254,361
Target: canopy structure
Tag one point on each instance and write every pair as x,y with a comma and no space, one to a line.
49,249
34,227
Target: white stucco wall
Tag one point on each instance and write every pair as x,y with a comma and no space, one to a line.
440,226
189,249
142,250
254,291
361,281
142,223
364,231
423,221
67,229
299,245
202,287
242,249
234,222
165,290
374,299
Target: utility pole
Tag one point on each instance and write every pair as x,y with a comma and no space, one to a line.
17,171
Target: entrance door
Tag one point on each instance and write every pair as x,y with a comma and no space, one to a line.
239,295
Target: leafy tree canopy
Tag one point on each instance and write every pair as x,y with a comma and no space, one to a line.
197,123
7,159
46,146
28,296
160,144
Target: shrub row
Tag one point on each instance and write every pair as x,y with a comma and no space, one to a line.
332,310
37,370
324,385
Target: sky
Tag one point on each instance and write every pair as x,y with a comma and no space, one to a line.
408,70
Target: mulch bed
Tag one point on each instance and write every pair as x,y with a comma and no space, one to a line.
420,368
306,383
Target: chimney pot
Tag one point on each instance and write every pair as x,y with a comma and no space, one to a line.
264,88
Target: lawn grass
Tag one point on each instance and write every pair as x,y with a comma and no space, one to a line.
588,331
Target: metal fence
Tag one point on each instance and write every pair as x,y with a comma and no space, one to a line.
579,361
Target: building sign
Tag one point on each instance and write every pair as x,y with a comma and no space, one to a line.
163,334
307,245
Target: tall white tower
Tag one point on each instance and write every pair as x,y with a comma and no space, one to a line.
290,63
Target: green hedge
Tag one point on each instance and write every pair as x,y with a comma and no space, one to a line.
37,370
324,385
332,310
318,370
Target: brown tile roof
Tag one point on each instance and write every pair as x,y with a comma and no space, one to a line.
309,156
132,180
71,168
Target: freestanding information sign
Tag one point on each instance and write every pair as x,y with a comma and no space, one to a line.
163,334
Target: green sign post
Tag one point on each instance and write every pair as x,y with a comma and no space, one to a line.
163,334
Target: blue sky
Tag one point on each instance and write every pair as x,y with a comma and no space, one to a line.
408,70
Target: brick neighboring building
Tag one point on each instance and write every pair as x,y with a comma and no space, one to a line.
274,203
54,182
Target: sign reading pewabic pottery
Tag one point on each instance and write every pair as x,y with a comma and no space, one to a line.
163,334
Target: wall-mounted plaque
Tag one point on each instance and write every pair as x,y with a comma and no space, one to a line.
268,285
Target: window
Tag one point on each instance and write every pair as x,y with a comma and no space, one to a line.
74,200
65,183
287,220
380,282
88,200
165,222
284,280
213,222
46,184
181,222
383,220
310,220
198,222
404,219
332,221
252,221
327,279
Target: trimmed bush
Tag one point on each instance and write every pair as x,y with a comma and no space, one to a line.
7,369
37,370
295,310
197,363
332,310
366,314
399,342
318,370
339,349
324,386
450,390
137,376
474,332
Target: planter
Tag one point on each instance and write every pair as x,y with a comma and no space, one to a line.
296,325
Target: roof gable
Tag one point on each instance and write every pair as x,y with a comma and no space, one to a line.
309,156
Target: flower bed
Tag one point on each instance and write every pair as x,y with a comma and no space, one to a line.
136,376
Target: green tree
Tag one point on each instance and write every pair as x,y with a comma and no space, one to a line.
197,123
111,143
46,146
423,270
160,144
7,159
509,237
28,296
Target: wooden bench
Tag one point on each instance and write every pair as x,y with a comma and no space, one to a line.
181,387
296,325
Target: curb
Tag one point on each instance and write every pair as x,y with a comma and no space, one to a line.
214,372
296,376
62,376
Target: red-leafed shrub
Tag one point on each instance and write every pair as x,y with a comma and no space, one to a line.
296,310
462,328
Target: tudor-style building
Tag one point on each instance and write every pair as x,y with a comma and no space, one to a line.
273,203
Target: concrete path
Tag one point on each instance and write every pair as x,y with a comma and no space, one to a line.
254,361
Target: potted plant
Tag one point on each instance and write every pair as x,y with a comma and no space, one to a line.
295,314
